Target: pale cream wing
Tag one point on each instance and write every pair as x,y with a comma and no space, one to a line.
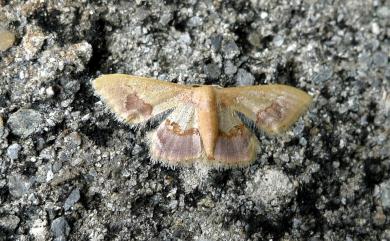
177,141
136,99
274,108
236,145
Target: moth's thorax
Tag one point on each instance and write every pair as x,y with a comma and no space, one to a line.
204,96
205,100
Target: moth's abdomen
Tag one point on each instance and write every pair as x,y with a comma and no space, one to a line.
206,105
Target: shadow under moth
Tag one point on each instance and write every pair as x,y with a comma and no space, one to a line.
204,127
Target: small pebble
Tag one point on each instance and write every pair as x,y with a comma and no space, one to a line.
50,91
73,140
32,41
216,41
195,21
18,185
60,228
212,71
271,187
13,151
385,194
39,230
165,18
25,122
278,40
185,38
7,39
254,38
380,59
73,198
379,218
325,73
244,78
9,222
230,50
375,28
384,12
263,15
230,68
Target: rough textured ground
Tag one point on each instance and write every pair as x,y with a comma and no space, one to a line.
69,171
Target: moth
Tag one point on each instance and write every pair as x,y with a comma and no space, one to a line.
203,127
